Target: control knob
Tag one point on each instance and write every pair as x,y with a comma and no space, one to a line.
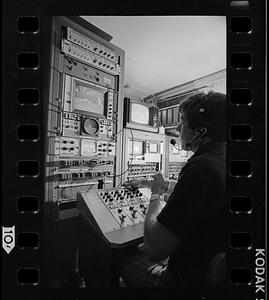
122,218
134,211
144,210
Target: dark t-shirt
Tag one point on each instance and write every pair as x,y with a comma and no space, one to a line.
195,213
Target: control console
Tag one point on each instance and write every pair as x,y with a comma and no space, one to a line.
117,214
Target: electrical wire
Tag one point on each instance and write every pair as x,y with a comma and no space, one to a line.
118,175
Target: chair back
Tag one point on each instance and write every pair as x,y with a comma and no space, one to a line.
216,272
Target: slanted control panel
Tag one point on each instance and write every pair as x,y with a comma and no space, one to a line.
118,213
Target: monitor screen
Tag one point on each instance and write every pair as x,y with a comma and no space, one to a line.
153,147
136,148
88,147
88,98
139,113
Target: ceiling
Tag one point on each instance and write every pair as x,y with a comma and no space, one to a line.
165,51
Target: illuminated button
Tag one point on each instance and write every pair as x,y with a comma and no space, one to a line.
141,205
131,207
119,210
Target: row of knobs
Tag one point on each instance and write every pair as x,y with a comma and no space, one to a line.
120,195
133,212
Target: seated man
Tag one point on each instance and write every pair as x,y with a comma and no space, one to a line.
190,229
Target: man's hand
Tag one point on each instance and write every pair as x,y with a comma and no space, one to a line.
159,184
138,183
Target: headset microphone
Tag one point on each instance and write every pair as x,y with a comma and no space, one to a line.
173,142
197,137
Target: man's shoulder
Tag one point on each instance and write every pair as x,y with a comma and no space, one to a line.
206,159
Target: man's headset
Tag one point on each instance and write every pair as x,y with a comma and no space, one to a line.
201,131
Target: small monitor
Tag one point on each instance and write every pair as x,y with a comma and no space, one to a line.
139,113
153,147
88,147
136,148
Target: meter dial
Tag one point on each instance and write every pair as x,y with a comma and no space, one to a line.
90,126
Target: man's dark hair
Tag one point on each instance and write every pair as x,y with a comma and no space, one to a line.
206,110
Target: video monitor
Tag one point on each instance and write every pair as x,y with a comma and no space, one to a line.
139,113
136,148
153,147
87,97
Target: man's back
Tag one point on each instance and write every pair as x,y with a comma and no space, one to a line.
195,213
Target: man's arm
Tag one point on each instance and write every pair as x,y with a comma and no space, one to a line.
158,241
171,187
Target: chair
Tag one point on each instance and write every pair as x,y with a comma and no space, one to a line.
216,272
215,276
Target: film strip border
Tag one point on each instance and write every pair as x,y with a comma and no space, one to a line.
23,155
23,151
245,153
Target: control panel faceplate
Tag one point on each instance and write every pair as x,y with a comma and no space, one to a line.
116,210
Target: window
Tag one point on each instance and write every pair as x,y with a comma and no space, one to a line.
175,115
164,120
170,116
